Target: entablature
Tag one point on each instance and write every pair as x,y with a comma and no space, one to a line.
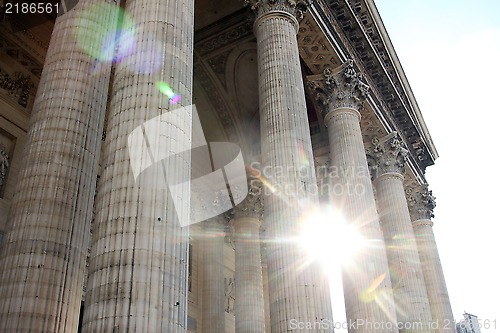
354,30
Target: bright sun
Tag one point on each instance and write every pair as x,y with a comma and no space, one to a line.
326,236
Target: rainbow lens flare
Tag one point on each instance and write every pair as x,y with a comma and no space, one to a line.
167,91
97,34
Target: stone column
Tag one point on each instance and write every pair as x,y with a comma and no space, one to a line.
387,158
367,285
421,204
42,263
139,256
295,292
249,301
213,314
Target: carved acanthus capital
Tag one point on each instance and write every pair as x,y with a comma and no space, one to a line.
253,205
296,8
341,87
421,202
387,155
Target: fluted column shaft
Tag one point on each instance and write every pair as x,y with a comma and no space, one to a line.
138,267
437,291
42,263
213,314
295,292
410,293
367,286
249,301
352,193
421,204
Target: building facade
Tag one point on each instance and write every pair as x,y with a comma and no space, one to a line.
315,97
470,324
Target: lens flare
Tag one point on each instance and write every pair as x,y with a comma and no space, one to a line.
175,99
167,91
302,153
100,39
148,56
370,294
325,235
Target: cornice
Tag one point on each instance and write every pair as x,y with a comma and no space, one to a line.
361,28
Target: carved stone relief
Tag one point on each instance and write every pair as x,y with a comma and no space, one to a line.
18,86
7,143
4,167
229,294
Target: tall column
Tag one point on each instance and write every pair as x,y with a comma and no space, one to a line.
296,292
138,266
387,158
367,286
42,263
245,225
213,314
421,204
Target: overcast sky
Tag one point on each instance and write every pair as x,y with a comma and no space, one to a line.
450,51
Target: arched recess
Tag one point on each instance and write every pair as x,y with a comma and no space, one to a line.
210,120
242,74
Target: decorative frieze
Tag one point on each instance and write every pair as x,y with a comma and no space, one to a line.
341,87
225,38
387,155
421,202
18,86
218,102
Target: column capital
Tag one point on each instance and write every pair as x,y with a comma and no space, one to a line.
387,155
421,202
339,88
295,8
252,206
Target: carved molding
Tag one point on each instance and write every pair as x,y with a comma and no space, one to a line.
18,86
218,66
339,88
219,40
26,58
218,102
421,202
297,8
358,28
387,155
